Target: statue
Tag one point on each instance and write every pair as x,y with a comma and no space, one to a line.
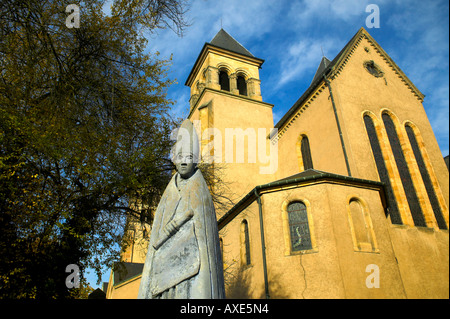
184,260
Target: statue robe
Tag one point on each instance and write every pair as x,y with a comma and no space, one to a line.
189,264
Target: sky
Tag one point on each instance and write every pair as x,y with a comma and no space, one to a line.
291,34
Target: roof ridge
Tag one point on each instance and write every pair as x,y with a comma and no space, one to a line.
226,41
252,195
335,66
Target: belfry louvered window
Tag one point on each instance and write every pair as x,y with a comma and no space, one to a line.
403,169
299,226
382,170
426,178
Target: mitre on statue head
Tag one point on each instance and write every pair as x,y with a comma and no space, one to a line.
187,141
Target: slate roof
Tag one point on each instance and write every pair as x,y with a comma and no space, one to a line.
222,40
126,270
306,173
97,294
322,66
225,41
306,176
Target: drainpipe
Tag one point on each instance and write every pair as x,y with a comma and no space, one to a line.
132,245
338,125
263,245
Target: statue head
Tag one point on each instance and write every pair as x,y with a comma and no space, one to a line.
185,153
185,165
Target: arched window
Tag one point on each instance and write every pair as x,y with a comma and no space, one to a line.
405,176
382,170
426,178
224,81
245,244
306,153
299,226
242,85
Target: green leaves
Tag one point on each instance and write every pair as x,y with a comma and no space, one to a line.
84,135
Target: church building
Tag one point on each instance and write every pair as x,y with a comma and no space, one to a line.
345,197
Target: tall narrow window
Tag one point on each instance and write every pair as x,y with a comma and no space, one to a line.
245,244
242,85
306,153
224,81
426,178
405,176
299,226
382,170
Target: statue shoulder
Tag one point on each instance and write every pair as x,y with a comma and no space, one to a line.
199,189
198,181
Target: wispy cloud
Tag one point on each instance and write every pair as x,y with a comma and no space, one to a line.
324,12
301,57
289,36
421,49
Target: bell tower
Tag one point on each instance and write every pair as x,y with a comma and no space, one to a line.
224,64
227,108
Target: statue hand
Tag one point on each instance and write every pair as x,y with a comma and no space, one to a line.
189,214
171,228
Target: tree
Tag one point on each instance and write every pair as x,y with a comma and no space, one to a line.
221,191
84,132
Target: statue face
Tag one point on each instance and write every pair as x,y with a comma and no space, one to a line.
185,165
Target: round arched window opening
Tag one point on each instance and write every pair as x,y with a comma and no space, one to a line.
242,85
373,69
224,80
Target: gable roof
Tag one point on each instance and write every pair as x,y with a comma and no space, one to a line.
225,41
333,69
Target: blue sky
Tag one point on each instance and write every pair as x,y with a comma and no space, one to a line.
289,35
